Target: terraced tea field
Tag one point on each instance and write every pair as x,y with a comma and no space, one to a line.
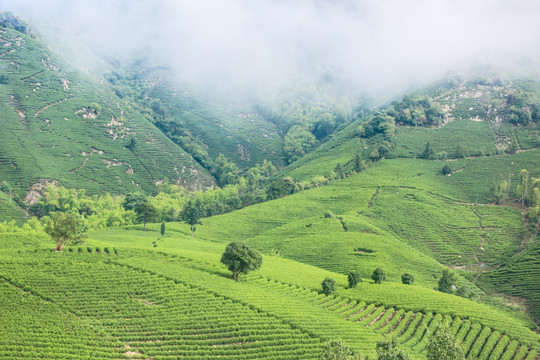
128,303
64,125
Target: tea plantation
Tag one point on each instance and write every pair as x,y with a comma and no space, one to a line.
63,125
395,189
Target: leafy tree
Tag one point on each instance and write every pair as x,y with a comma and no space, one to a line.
65,228
358,165
132,199
388,350
466,292
328,286
146,213
447,282
428,151
354,278
500,191
407,279
446,170
191,214
444,346
523,185
280,188
337,350
379,275
162,230
131,144
298,142
240,259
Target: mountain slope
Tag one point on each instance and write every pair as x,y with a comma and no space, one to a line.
60,124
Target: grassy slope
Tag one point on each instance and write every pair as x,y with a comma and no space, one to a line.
44,137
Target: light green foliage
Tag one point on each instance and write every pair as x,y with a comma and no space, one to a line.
298,142
65,228
240,259
388,350
337,350
328,286
444,346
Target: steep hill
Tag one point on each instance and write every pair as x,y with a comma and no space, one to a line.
61,125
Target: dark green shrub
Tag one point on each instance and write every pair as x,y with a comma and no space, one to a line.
379,275
328,286
354,278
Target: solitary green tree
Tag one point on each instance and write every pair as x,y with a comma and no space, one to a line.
379,275
191,214
65,228
444,346
428,151
240,259
354,278
146,213
407,279
446,170
328,286
447,282
162,230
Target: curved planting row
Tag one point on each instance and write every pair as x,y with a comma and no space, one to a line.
147,316
413,329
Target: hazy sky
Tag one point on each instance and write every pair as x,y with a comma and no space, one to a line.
257,45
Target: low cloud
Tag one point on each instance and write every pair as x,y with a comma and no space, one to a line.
244,47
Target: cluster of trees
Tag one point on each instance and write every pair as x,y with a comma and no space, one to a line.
9,20
353,278
443,345
448,284
527,194
522,107
411,110
305,117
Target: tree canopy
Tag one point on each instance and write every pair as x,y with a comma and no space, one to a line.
241,259
328,286
146,213
379,275
444,346
447,282
66,228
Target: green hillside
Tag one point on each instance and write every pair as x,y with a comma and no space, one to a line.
60,124
447,178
